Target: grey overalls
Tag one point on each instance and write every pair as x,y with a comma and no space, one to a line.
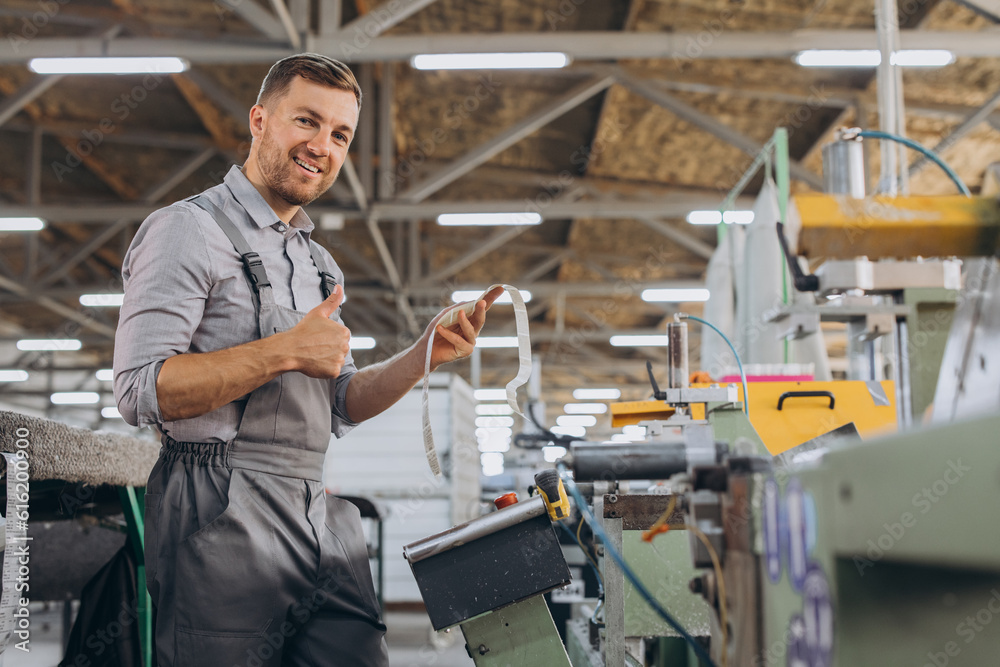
249,562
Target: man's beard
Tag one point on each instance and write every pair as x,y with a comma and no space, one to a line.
279,174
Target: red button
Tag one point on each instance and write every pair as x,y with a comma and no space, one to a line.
505,500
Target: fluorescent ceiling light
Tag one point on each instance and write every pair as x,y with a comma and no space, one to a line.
492,463
720,217
111,413
101,300
362,342
49,344
553,453
538,60
496,341
585,408
105,375
839,58
494,409
656,340
153,65
75,398
737,217
494,422
608,394
461,296
576,420
21,224
495,445
490,394
675,295
13,376
494,432
577,431
922,58
465,219
873,58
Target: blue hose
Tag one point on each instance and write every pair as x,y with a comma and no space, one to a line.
598,531
926,152
739,364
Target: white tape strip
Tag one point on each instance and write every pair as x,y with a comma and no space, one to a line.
15,532
523,357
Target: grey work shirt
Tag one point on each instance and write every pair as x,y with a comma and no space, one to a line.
186,291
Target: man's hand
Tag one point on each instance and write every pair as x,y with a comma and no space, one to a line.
318,344
458,340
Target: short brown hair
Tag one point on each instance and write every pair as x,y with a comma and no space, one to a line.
312,67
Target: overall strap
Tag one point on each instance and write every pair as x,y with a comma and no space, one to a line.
326,279
253,266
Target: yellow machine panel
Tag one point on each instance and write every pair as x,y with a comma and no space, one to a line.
801,417
839,226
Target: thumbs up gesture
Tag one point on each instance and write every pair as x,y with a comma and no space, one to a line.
318,344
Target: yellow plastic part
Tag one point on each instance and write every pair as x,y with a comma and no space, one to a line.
799,420
838,226
557,508
802,419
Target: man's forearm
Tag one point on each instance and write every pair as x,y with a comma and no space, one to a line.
375,388
191,385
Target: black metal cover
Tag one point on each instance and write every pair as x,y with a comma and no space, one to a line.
491,572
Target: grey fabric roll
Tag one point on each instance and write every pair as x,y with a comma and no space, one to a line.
61,452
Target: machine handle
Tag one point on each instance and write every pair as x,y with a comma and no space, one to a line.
806,394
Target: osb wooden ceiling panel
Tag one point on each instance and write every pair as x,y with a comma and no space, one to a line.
713,16
642,141
456,16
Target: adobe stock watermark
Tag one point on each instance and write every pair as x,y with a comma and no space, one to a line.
923,501
30,26
968,629
120,109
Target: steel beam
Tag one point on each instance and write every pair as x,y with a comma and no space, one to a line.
26,95
365,137
673,206
152,196
85,321
386,188
681,238
287,23
255,15
329,17
970,123
218,95
472,159
579,45
497,240
541,290
988,8
699,119
382,18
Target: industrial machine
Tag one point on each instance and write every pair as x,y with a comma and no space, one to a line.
722,544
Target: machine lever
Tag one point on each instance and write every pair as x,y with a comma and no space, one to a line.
657,394
806,394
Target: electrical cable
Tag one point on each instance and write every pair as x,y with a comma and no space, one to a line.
629,574
743,376
590,561
717,565
545,436
926,152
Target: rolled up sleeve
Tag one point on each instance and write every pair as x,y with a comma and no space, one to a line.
167,276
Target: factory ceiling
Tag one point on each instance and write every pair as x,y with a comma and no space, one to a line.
660,112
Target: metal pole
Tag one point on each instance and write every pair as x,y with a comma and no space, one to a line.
892,117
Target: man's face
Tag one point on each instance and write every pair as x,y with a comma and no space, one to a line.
303,139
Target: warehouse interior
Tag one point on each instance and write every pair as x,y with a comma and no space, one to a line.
748,404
